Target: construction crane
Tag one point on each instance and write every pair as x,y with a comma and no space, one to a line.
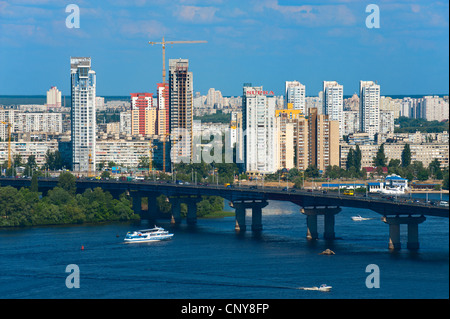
150,156
163,44
9,142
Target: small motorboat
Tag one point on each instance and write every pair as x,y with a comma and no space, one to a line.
359,218
147,235
323,287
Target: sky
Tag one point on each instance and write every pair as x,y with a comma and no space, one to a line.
263,42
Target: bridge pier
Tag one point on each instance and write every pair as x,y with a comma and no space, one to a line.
256,206
176,210
191,203
413,231
137,202
311,221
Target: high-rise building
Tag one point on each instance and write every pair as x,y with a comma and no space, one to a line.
259,123
163,109
323,140
181,94
83,123
295,94
369,107
333,103
143,114
53,97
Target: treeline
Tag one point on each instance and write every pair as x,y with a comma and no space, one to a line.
26,207
412,125
208,206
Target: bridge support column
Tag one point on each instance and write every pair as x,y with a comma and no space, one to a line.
191,217
256,207
152,206
240,217
176,210
311,221
137,202
413,231
311,227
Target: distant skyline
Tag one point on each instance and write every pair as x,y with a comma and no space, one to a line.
264,42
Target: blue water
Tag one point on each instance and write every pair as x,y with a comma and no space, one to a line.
211,261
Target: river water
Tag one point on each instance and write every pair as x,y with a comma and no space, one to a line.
211,261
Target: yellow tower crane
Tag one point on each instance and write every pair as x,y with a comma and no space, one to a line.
163,44
150,156
9,142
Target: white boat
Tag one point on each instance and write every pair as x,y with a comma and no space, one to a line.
322,287
359,218
147,235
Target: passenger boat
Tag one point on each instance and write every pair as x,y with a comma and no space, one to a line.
147,235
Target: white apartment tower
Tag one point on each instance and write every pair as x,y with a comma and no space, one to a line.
83,124
369,107
259,123
333,103
295,94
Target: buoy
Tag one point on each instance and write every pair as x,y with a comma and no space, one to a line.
82,247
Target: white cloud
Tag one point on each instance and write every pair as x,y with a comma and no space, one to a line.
196,14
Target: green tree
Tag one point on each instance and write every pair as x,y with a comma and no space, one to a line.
351,159
34,184
380,159
406,156
435,169
358,158
67,181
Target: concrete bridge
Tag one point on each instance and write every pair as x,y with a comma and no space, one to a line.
312,204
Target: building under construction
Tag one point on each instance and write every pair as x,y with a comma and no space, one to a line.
181,103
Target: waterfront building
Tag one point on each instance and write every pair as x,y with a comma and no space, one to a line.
83,114
333,103
181,110
124,152
53,97
369,107
323,140
143,114
260,138
162,109
27,148
295,94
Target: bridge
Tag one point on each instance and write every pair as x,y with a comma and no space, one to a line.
312,204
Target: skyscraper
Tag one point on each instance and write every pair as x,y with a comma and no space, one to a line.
163,109
333,102
323,140
295,94
143,114
259,123
180,104
369,107
83,124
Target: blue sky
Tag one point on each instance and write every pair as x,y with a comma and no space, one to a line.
265,42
